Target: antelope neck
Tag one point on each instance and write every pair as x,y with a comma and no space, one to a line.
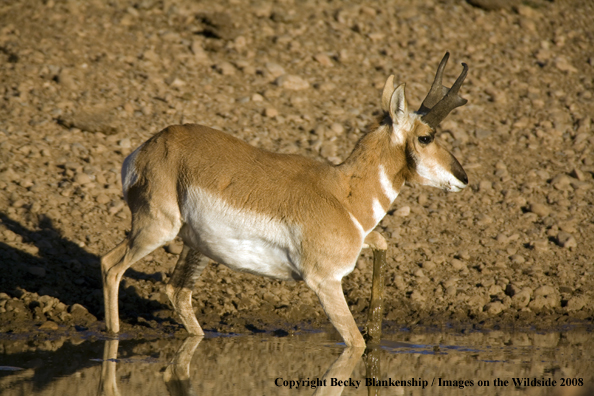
375,174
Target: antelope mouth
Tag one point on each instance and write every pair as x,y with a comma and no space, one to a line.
457,184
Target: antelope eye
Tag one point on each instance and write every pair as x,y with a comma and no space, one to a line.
425,139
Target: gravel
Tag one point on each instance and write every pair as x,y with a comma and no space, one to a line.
82,90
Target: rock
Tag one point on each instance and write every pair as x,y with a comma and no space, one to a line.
565,289
19,203
49,325
225,68
477,302
275,69
174,248
400,283
518,259
292,82
323,60
491,5
10,236
78,310
102,199
124,143
566,240
117,207
575,303
428,265
540,245
521,299
200,54
262,10
80,315
527,11
96,121
82,179
218,25
564,65
283,17
561,182
485,186
511,289
328,149
501,238
37,271
495,290
494,308
270,112
541,302
417,297
483,220
578,174
458,265
403,211
541,210
482,133
337,129
177,82
545,290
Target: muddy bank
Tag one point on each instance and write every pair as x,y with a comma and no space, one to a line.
79,91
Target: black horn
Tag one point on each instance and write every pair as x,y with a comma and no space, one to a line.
440,100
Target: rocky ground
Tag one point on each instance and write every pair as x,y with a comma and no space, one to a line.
84,82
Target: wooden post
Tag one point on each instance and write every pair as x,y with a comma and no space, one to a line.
373,328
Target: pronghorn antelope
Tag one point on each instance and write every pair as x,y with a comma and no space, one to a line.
283,216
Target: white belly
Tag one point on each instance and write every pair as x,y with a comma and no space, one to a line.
241,240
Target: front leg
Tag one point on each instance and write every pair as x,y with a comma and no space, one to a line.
331,296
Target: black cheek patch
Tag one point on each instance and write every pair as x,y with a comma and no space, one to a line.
411,161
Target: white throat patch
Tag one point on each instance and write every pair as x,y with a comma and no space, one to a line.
387,186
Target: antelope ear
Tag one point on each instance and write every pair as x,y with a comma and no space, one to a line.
387,93
398,108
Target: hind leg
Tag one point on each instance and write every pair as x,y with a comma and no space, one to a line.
141,242
179,289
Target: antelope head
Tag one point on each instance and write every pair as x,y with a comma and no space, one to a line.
427,162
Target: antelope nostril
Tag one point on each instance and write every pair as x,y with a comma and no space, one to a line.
461,175
458,171
464,178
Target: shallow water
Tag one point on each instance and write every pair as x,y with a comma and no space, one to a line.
305,364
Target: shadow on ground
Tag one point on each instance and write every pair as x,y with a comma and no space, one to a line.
42,261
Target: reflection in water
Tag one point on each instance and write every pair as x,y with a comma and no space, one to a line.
177,374
373,372
108,385
340,371
266,365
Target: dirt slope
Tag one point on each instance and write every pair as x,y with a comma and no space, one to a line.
84,82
